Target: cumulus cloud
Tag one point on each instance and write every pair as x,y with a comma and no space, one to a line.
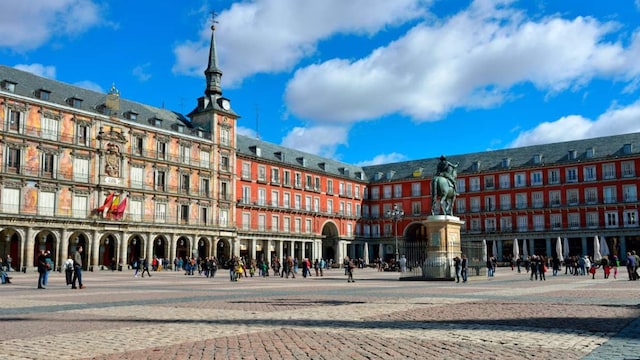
471,60
141,72
47,71
26,25
90,85
241,130
615,121
270,36
383,159
319,140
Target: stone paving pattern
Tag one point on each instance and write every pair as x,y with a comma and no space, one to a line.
173,316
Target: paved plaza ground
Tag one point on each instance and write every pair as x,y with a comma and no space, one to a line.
173,316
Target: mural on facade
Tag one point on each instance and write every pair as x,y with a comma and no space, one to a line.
31,160
30,199
65,165
64,201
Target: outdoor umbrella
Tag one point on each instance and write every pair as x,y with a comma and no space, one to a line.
559,249
604,248
366,253
565,248
494,249
525,251
516,250
596,249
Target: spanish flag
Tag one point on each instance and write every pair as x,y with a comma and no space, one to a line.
122,206
104,209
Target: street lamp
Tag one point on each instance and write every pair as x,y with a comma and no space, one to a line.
395,214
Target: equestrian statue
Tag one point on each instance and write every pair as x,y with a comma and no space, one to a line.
443,187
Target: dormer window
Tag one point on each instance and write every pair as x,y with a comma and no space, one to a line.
302,161
627,148
506,162
156,122
43,94
475,166
537,158
9,85
74,102
130,115
591,152
573,154
181,128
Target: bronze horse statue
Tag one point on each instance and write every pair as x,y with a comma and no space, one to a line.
444,190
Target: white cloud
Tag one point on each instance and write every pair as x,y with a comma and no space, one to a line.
269,36
383,159
618,120
241,130
26,25
90,85
47,71
319,140
470,60
141,72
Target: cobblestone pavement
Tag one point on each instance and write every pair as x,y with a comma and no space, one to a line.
173,316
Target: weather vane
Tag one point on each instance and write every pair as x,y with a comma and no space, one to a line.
213,20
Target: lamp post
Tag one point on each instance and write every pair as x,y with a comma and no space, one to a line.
395,214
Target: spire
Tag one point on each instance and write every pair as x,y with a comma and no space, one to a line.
213,73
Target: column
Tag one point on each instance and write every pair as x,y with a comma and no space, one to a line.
149,248
235,247
548,246
94,253
253,243
500,247
64,247
623,248
123,245
27,249
584,246
279,252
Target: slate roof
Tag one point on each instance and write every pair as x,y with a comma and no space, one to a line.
523,157
28,84
248,146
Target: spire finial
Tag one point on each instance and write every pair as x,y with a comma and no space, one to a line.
213,20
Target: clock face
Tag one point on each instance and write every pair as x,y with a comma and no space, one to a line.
225,104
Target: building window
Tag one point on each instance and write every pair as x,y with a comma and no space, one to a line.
14,159
246,221
592,220
630,218
262,222
521,201
520,180
225,137
572,175
489,182
329,187
275,176
137,177
475,204
574,220
572,197
81,170
184,213
316,204
554,176
262,174
161,150
416,189
316,185
357,192
204,187
246,195
48,165
397,191
474,184
307,226
505,201
46,203
475,225
160,213
556,221
628,169
490,225
554,198
297,182
297,201
461,185
611,219
275,198
537,199
185,154
246,171
49,128
341,189
286,180
83,134
386,190
204,215
416,208
375,193
490,203
538,222
461,206
135,210
160,184
610,195
536,178
591,195
505,181
298,225
262,196
224,163
14,118
286,200
523,223
609,171
506,224
225,193
307,203
589,173
184,183
275,223
629,193
79,206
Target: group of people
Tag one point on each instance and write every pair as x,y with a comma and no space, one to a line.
72,269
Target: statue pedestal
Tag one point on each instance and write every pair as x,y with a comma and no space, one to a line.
443,245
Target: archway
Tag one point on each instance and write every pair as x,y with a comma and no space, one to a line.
414,244
134,249
223,251
183,248
203,248
107,255
10,249
46,241
77,240
160,245
330,242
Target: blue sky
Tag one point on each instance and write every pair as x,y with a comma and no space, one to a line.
360,81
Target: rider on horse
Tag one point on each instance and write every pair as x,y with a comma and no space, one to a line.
445,169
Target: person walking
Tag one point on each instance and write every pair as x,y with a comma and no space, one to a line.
42,269
464,267
145,266
350,267
77,269
68,270
457,266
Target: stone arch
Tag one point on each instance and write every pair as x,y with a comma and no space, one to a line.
330,241
204,247
77,239
183,247
44,240
135,247
108,250
223,250
10,240
160,247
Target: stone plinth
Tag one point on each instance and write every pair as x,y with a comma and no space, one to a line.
443,245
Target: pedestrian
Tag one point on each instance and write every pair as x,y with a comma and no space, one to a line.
489,268
631,266
68,269
316,267
145,266
50,266
464,267
322,265
8,260
77,269
42,269
457,266
403,263
350,267
4,277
